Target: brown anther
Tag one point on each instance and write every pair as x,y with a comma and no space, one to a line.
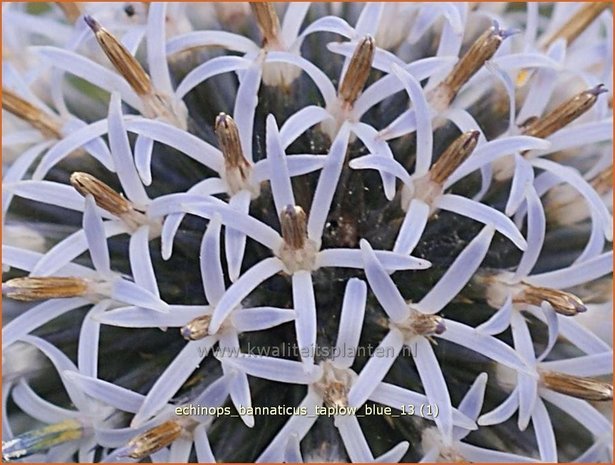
564,114
104,196
334,385
230,144
562,302
577,23
71,10
358,71
197,328
473,60
294,226
268,22
49,125
603,182
336,395
33,288
123,61
154,439
577,386
427,325
455,154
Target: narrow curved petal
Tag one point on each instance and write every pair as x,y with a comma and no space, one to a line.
245,104
90,71
87,349
545,437
412,227
144,147
327,183
155,34
258,318
572,177
305,322
202,447
396,397
435,386
138,317
458,273
536,229
106,392
167,385
141,261
37,407
235,241
585,365
424,135
36,317
213,67
493,150
472,403
578,273
184,142
351,322
487,346
502,412
209,259
376,368
522,179
352,258
122,154
64,252
482,213
281,187
297,424
499,321
275,369
131,293
242,288
353,439
383,286
300,122
552,327
196,39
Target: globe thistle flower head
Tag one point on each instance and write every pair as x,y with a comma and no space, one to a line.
267,232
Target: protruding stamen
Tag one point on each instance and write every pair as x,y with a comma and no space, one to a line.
562,302
577,386
41,440
44,122
336,395
481,51
197,328
603,182
33,288
154,439
294,226
358,71
268,22
122,60
104,196
579,21
230,144
427,325
564,114
334,385
454,156
71,10
422,325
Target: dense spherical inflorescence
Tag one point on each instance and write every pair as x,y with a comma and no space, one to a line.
307,232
